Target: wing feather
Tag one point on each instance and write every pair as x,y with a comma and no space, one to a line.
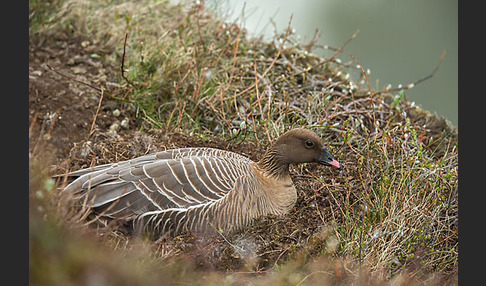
111,191
166,183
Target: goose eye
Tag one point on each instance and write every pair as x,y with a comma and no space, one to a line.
309,143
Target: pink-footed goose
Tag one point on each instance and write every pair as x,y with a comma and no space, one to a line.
199,189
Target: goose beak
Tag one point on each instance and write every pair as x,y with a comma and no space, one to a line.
328,160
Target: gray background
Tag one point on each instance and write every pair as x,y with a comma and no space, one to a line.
399,41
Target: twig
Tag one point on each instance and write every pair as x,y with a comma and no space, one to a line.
378,235
34,120
258,94
198,8
122,66
73,79
412,84
235,247
338,51
431,172
91,130
364,74
41,142
361,248
280,256
331,59
313,273
236,46
271,64
369,89
87,84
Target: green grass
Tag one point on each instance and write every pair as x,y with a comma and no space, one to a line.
40,13
392,213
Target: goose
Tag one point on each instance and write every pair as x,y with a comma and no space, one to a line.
199,189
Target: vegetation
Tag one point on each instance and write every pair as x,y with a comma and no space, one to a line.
390,216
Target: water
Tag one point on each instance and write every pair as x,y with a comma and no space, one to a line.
399,41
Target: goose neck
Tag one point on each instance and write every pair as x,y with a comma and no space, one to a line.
273,164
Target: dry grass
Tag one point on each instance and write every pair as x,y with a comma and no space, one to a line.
390,217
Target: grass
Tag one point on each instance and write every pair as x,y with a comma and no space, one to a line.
390,217
41,12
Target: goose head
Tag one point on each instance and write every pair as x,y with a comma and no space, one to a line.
294,147
304,146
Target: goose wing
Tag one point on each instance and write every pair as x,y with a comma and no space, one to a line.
177,178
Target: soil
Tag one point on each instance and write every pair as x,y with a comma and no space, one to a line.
62,110
50,94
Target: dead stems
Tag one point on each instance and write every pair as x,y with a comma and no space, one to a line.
86,84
